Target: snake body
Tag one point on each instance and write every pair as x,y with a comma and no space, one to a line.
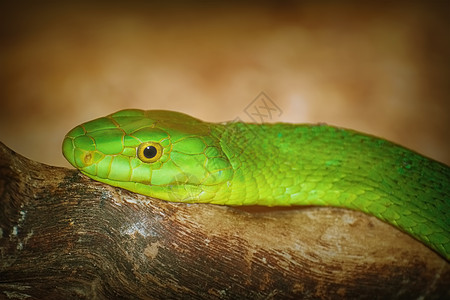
175,157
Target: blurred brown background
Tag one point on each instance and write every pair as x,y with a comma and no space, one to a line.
381,68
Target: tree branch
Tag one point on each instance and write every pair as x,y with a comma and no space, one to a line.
64,236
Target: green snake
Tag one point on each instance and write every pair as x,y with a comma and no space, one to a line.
175,157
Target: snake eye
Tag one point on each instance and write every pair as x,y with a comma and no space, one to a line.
149,152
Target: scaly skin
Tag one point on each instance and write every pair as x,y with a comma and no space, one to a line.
266,164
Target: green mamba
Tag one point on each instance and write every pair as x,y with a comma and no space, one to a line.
175,157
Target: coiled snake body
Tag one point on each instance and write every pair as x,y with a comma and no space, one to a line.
175,157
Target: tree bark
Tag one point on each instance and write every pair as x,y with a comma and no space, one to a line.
65,236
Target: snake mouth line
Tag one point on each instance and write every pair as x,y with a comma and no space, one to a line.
174,192
143,183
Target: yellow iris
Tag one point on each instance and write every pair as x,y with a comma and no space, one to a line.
149,152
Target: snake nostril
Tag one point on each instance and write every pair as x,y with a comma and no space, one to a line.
88,159
83,158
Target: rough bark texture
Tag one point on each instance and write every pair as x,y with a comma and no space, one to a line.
64,236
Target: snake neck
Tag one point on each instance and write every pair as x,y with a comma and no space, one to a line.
283,164
303,164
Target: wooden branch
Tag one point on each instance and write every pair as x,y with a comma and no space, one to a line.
64,236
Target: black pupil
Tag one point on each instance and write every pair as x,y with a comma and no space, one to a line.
150,152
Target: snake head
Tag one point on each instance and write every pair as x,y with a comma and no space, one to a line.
163,154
